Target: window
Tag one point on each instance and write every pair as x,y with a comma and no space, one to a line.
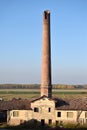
50,121
69,114
59,114
85,114
15,113
36,109
49,109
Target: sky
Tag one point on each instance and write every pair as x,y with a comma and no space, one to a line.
21,41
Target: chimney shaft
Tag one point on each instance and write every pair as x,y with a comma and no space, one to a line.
46,87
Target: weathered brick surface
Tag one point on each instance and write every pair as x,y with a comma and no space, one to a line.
43,105
46,87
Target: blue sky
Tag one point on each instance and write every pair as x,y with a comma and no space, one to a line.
21,40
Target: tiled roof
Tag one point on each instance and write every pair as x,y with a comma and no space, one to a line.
68,104
41,97
72,104
25,104
15,104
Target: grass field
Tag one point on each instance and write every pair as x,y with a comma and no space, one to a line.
8,94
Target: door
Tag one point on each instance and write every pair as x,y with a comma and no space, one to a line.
42,122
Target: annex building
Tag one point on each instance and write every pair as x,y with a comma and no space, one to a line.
45,109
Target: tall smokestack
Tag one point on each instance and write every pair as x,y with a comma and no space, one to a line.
46,87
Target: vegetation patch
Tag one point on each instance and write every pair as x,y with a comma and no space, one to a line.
18,92
36,125
37,92
70,92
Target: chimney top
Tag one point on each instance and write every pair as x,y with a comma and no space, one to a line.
47,11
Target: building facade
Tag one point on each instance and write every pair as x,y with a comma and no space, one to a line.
51,111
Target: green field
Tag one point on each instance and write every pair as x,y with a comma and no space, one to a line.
8,94
37,92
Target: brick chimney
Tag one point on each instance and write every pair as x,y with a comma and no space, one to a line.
46,86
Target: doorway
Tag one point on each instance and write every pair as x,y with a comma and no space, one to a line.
3,116
42,122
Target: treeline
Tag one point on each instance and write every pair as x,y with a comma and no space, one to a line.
19,86
37,86
63,86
